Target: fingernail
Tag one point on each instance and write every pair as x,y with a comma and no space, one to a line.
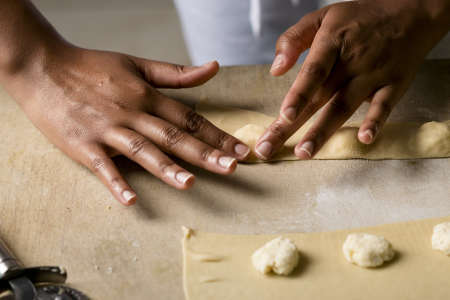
289,114
308,148
241,150
128,195
367,135
277,62
183,177
264,149
226,161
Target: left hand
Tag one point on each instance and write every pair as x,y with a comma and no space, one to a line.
360,50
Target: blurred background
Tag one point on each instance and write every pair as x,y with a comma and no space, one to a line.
147,28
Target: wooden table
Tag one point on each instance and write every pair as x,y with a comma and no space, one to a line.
52,211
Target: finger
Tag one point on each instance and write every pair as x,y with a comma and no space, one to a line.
294,41
167,75
185,118
178,142
335,113
380,107
313,73
104,168
297,106
142,151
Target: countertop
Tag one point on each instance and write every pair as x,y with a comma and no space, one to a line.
54,212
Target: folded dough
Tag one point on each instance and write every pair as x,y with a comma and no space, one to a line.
395,141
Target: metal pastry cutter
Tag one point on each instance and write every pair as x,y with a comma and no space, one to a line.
36,283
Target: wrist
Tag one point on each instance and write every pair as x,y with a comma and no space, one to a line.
26,38
437,22
428,19
16,62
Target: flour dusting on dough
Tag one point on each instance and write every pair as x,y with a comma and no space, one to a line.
209,279
206,257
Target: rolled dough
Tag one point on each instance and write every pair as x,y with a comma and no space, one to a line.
416,273
396,140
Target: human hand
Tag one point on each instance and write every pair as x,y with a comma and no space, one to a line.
95,104
360,50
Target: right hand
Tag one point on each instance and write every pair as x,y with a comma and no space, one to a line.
95,104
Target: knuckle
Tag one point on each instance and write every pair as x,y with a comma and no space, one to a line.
222,139
375,123
136,145
346,53
301,98
277,130
289,36
117,183
97,164
205,154
180,69
386,107
340,107
193,121
314,70
137,88
319,136
361,51
164,166
349,32
105,79
172,136
120,105
76,133
342,34
309,110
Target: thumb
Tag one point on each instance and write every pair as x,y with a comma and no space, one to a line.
167,75
294,41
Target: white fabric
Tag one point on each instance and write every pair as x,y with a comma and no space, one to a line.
255,17
237,32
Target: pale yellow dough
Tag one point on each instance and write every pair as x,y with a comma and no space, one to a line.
396,141
417,272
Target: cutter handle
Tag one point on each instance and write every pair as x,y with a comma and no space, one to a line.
8,262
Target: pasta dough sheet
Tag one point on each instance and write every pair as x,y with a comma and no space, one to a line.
396,140
218,266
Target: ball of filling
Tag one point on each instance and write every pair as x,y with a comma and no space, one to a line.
440,239
367,250
279,256
433,138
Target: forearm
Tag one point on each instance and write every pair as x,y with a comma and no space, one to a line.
26,37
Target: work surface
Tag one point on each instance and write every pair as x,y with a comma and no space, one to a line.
52,211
